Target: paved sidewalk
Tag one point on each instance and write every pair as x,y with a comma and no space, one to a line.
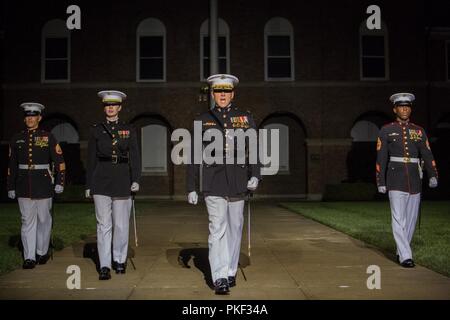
292,258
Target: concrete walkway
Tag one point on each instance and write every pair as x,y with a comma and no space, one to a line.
292,258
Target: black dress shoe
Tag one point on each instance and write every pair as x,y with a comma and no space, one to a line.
42,259
105,274
119,267
408,263
221,286
231,281
29,264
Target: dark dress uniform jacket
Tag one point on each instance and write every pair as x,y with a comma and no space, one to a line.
225,180
35,147
113,159
404,140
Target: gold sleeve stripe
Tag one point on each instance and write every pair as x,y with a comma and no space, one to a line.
58,149
378,144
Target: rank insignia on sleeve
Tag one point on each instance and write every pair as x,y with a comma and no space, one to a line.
58,149
378,144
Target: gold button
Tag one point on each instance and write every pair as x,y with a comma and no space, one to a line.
114,152
112,128
224,115
406,148
225,125
113,136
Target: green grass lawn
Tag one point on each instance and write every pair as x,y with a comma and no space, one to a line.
371,223
72,223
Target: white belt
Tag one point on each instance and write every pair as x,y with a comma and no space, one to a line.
404,160
34,166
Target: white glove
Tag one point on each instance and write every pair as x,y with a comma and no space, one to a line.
59,188
252,184
433,182
193,197
87,193
12,194
134,187
382,189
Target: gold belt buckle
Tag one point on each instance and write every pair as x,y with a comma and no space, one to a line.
31,167
114,159
407,160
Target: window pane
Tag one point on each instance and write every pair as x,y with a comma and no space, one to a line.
151,69
205,68
364,131
151,47
206,46
279,67
65,132
56,70
373,68
222,46
154,148
55,48
372,45
222,65
283,145
278,46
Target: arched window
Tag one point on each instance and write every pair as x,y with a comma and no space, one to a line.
55,52
223,48
65,132
283,145
151,51
279,50
374,62
154,148
364,131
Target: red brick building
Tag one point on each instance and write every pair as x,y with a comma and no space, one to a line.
311,69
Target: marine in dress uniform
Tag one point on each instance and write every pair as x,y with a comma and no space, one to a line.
400,147
225,185
34,155
113,173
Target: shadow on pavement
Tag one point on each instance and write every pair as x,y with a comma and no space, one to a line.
198,254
